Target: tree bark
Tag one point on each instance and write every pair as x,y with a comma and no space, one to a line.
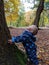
7,52
38,13
4,31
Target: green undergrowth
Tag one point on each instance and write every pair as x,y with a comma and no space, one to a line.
21,57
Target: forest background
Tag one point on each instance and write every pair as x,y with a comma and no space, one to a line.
21,13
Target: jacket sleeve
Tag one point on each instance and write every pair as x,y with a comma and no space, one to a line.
34,39
22,38
16,39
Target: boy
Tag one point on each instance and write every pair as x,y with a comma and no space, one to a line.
27,38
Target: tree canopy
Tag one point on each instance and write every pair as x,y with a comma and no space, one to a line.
11,9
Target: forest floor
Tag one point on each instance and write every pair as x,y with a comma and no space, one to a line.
42,44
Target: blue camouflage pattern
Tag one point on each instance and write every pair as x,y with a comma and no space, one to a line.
28,41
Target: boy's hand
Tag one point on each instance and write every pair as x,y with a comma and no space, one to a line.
10,41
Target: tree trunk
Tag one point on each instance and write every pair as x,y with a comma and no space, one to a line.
7,52
38,13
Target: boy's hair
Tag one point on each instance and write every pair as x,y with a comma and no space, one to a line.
33,29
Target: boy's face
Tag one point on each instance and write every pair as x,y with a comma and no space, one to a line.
33,29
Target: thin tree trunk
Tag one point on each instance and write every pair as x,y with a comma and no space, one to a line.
38,13
34,3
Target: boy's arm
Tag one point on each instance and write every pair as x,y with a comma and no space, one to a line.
15,39
33,38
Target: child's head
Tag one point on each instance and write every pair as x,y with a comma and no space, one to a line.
33,29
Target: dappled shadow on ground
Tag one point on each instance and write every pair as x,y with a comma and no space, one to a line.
42,44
